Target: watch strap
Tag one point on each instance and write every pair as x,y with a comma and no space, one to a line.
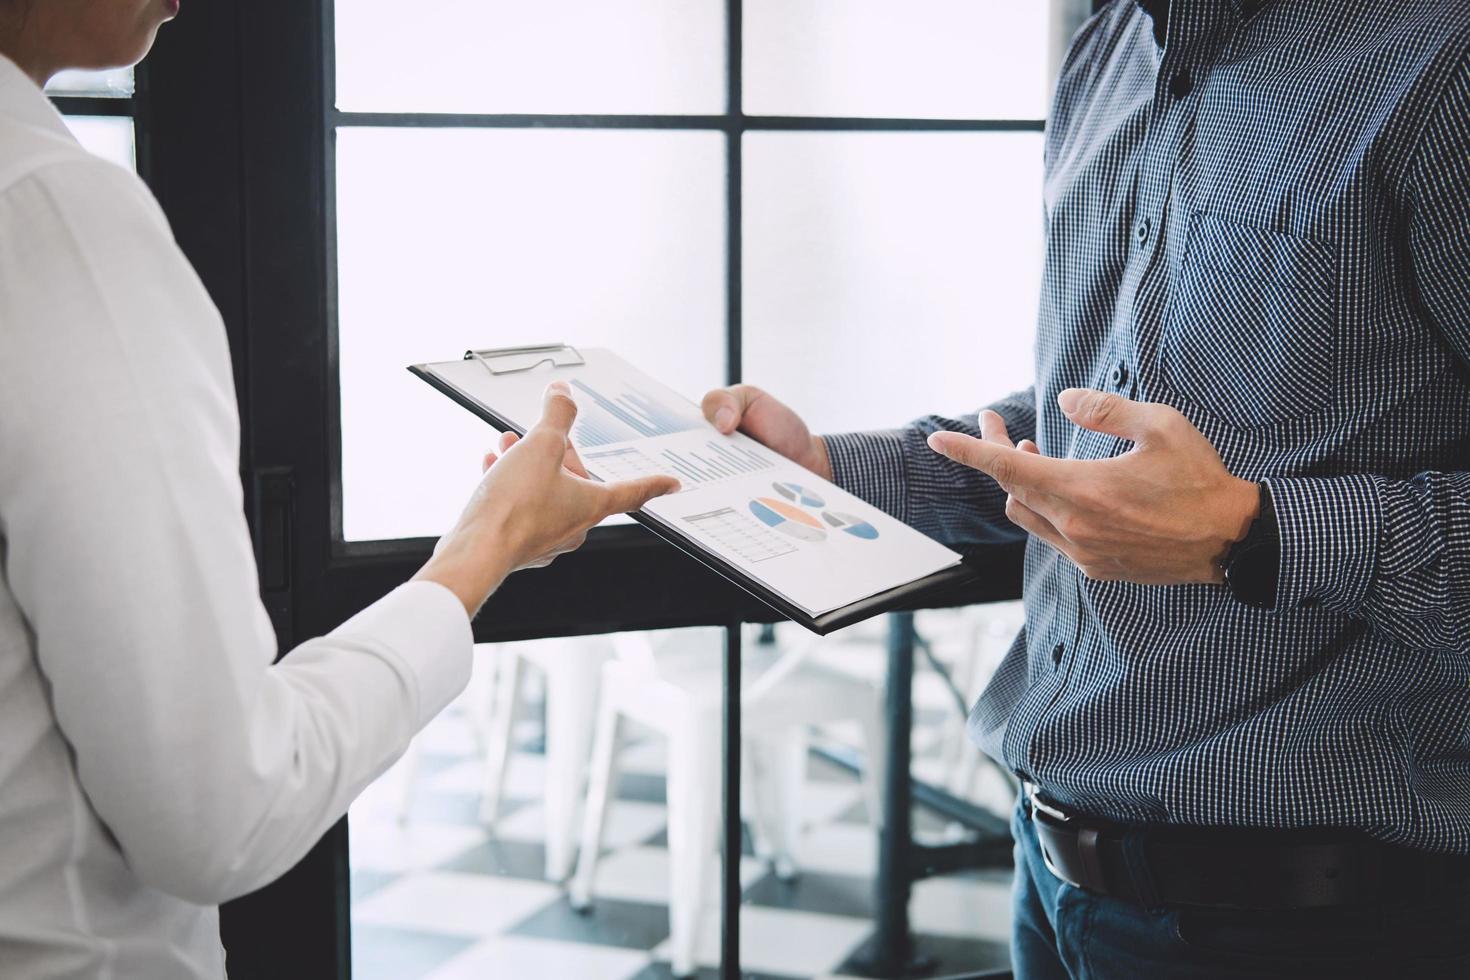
1252,566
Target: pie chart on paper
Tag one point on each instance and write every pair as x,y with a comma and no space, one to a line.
855,526
798,494
788,519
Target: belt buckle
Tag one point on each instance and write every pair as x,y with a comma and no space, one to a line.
1087,847
1035,803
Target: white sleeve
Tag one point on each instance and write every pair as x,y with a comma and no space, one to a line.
123,540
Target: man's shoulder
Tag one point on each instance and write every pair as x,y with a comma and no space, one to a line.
1120,30
1110,63
1435,25
1449,20
1433,37
1117,22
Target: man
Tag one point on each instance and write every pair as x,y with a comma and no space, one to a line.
1241,703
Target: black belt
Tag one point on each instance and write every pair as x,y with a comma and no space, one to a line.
1234,868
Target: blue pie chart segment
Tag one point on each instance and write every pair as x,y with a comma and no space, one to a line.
798,494
855,526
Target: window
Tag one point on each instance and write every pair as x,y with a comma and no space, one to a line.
930,59
499,56
98,107
890,274
456,237
847,213
566,172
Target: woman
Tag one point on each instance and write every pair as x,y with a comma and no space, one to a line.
153,762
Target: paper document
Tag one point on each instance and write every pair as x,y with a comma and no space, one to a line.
804,538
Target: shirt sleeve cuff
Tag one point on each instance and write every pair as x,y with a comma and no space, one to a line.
870,465
1329,532
424,627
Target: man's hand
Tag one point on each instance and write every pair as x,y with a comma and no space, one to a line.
535,502
766,420
1163,513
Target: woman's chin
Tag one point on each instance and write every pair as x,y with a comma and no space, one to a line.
136,51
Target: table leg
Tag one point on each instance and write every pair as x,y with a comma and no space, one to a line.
732,836
891,952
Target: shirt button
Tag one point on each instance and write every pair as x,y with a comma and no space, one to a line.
1181,85
1142,230
1056,653
1119,377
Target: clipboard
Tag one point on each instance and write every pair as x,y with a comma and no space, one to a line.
501,362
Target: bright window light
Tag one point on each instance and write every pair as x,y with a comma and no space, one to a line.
889,275
929,59
449,238
548,56
110,137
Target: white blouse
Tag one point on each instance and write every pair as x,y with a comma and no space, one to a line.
153,761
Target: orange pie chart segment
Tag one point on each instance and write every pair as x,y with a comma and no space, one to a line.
791,512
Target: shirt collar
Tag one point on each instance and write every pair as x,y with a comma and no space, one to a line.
23,101
1159,10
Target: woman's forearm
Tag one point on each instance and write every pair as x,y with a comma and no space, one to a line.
471,564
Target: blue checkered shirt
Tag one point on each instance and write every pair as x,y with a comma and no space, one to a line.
1263,221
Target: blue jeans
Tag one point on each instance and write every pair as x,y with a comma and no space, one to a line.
1061,932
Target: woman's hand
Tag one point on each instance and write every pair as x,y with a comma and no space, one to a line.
535,502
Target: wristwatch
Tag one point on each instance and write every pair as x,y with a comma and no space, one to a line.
1252,563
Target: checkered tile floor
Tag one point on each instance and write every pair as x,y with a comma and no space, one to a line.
436,898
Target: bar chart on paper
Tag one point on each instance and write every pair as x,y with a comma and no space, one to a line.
694,464
714,461
629,414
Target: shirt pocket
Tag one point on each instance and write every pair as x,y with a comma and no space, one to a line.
1250,333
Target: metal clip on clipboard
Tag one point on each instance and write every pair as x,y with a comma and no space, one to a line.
557,355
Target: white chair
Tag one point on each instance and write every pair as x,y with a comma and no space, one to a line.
571,669
679,697
572,672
